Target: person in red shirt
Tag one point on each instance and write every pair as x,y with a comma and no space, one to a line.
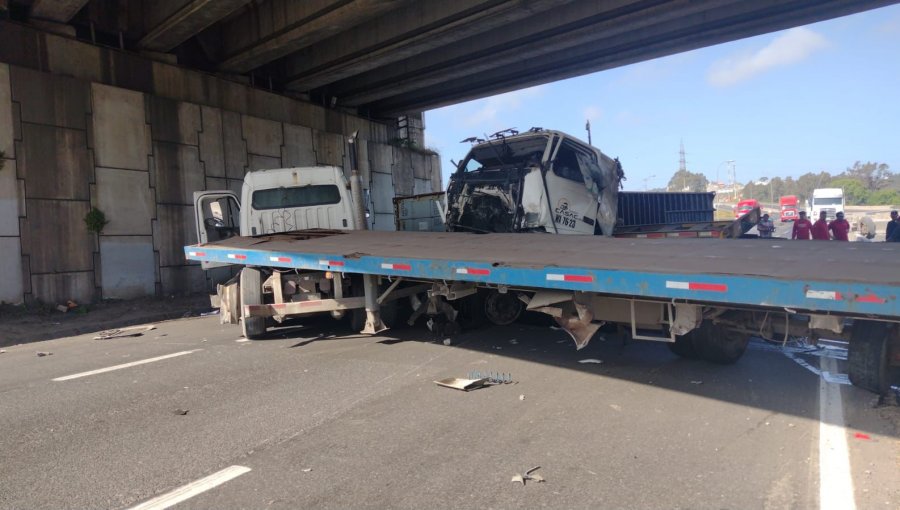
802,228
820,228
840,228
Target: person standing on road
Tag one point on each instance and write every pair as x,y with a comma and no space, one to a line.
802,228
820,227
840,228
892,226
765,227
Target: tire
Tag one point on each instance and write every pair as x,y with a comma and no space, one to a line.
715,343
683,346
502,309
868,356
251,294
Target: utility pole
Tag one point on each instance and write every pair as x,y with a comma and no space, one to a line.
587,126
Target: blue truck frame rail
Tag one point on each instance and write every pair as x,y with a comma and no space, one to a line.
819,296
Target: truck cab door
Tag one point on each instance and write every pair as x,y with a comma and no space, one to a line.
216,216
572,202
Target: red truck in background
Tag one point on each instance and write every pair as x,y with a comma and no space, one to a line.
745,206
788,208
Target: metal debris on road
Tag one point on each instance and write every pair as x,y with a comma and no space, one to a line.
491,377
41,354
123,332
446,341
591,360
306,470
458,383
181,412
528,476
207,314
521,397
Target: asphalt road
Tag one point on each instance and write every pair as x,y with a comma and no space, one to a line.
316,417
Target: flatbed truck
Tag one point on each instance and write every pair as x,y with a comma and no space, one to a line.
298,254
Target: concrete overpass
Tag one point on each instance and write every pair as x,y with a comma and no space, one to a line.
128,106
382,58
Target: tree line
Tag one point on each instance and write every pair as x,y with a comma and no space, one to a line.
863,183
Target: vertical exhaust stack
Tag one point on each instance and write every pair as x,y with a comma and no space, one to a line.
374,323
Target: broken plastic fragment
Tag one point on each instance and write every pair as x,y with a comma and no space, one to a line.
590,360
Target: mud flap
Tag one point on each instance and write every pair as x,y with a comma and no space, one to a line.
229,300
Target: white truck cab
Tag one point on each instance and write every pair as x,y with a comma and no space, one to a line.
830,200
274,201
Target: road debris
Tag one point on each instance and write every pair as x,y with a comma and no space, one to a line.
41,354
591,360
513,341
181,412
2,351
207,314
491,377
528,476
123,332
62,308
696,382
306,470
446,341
864,437
521,397
458,383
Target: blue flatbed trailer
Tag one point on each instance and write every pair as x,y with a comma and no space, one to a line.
779,277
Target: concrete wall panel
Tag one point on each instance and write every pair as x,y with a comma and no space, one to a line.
127,200
120,131
382,193
59,288
329,148
384,222
298,146
173,82
264,162
73,58
174,229
128,266
212,150
434,172
173,121
6,117
54,162
9,200
419,165
216,183
182,280
55,237
235,146
381,157
421,186
403,172
51,100
178,173
264,137
11,288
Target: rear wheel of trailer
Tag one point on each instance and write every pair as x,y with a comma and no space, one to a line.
869,357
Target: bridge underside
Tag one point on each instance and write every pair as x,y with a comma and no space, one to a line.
384,58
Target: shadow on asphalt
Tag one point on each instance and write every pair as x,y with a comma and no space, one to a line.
762,378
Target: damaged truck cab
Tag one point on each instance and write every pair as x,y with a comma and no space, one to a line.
538,181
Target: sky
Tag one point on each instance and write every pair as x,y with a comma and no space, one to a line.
812,98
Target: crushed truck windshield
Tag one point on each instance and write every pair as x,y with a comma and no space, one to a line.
502,153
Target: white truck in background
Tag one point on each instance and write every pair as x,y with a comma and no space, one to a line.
830,200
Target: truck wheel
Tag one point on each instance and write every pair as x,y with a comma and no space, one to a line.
502,309
718,344
684,346
868,357
251,294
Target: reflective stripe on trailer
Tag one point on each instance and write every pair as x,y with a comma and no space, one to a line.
473,271
279,259
709,287
397,267
581,278
824,294
197,253
331,262
870,298
237,256
650,236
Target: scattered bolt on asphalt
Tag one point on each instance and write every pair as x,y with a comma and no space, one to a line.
41,354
